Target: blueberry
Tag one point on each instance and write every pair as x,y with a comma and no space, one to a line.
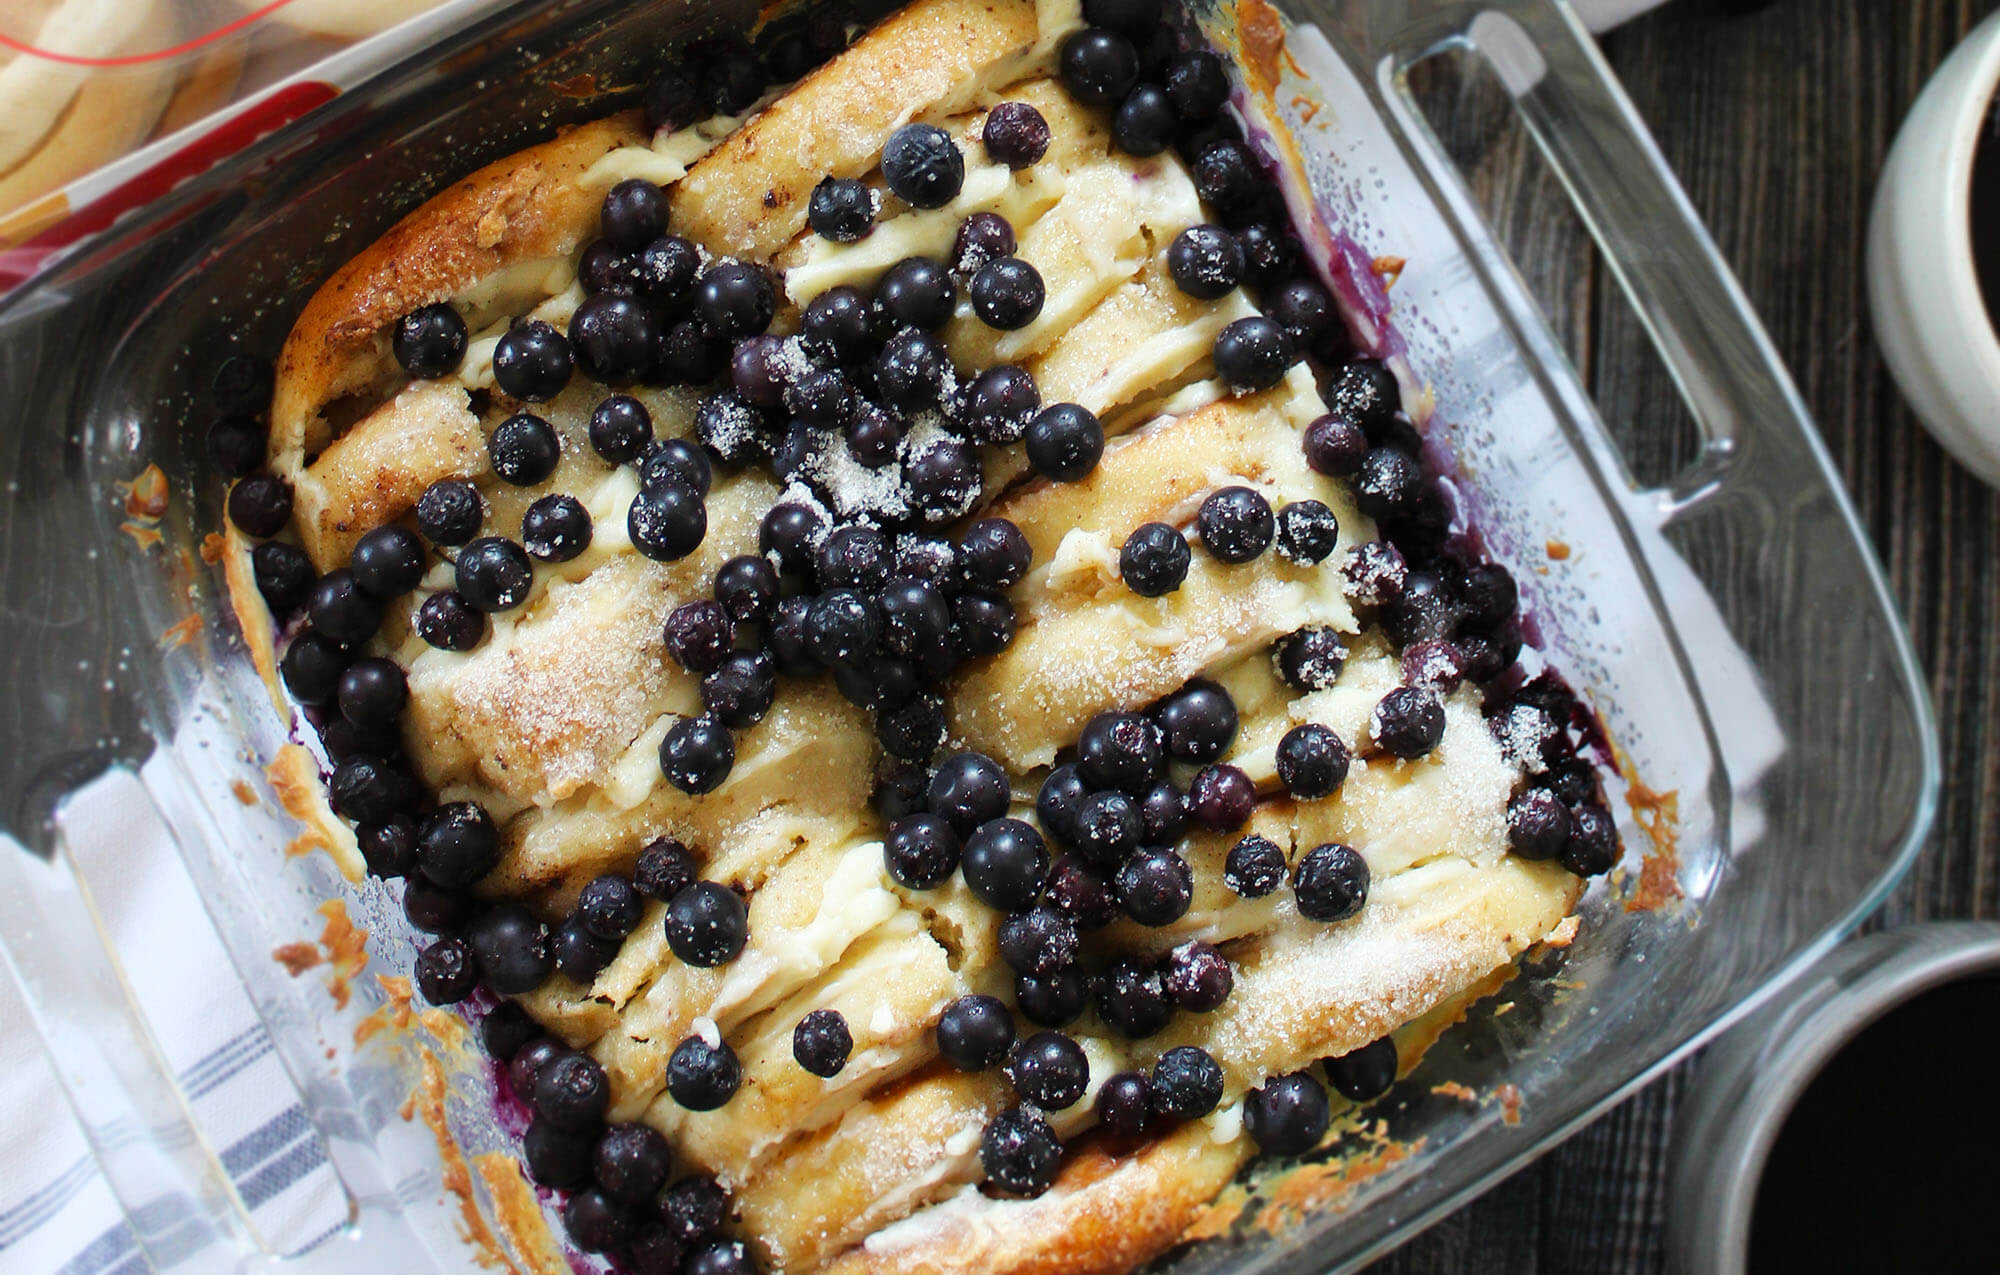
923,166
722,1257
556,528
1132,999
389,847
1005,864
997,406
690,354
1107,828
927,558
284,575
373,692
556,1158
1364,1074
1366,392
665,868
1121,750
1125,1103
433,909
841,209
1228,178
1312,761
1252,354
1132,18
1154,887
595,1224
910,371
1059,801
242,385
785,637
1163,815
789,532
1187,1083
701,1076
982,624
450,511
580,956
388,561
1220,798
1197,85
1408,722
531,362
668,522
1335,446
1235,524
968,790
446,972
873,436
365,789
945,479
759,370
1331,882
494,574
1007,293
260,505
524,449
525,1067
1039,941
740,691
236,445
654,1251
914,731
1079,893
1593,847
1145,121
821,398
1199,977
835,324
634,214
1098,67
673,100
514,956
429,341
921,851
1055,999
693,1208
1307,532
1015,135
505,1029
1020,1152
1489,596
1154,560
974,1032
610,907
917,292
914,617
1199,721
842,627
603,268
1311,659
982,237
993,554
450,623
852,557
675,462
341,610
735,300
666,268
614,338
697,755
707,924
1065,442
1306,312
1049,1070
1205,261
1389,485
1288,1116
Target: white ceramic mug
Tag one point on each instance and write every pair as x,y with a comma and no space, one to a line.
1923,289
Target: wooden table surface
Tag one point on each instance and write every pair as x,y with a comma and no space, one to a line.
1776,121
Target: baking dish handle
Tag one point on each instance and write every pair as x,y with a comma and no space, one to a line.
1675,280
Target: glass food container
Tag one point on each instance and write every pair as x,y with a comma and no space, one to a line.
1731,626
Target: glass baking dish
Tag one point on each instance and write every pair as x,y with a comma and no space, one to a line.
1730,626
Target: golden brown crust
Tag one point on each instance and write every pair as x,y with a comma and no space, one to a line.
525,207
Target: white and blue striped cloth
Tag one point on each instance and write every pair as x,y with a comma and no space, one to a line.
56,1212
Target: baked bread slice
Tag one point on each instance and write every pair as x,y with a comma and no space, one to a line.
586,735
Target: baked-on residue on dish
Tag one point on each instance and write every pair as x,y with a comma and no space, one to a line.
874,602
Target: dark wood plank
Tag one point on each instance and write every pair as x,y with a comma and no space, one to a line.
1777,123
